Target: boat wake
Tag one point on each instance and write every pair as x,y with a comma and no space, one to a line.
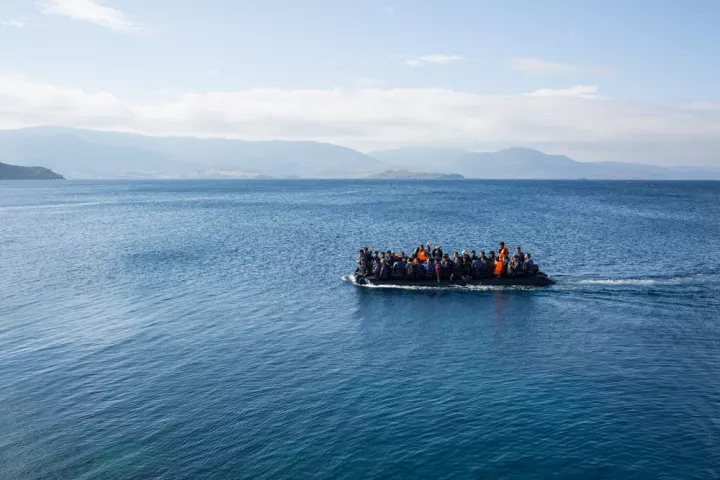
567,283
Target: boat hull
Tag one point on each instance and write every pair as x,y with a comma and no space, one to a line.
539,280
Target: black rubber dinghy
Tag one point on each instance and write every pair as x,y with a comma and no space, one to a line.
537,280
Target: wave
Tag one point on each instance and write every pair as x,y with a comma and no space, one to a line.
51,205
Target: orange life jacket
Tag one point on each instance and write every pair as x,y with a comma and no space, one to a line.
503,253
422,256
498,268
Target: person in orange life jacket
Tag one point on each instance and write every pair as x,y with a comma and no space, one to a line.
502,251
499,266
422,253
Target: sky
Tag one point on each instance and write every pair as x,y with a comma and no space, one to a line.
629,81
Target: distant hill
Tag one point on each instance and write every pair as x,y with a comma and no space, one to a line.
526,163
420,159
95,154
13,172
416,175
80,153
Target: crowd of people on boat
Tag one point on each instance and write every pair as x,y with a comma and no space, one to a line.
427,263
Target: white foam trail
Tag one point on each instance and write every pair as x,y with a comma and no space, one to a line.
625,281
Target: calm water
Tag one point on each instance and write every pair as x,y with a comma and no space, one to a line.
203,330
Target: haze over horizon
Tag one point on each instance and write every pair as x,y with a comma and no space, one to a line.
597,82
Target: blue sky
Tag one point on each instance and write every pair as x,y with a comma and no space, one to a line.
330,70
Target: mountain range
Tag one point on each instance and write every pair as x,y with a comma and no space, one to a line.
79,153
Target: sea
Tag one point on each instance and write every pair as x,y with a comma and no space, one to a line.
208,329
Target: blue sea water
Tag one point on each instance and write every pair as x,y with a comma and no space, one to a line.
205,329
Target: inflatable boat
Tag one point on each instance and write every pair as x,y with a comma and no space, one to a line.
537,280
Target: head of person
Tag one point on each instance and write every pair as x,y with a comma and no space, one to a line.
492,254
517,249
482,254
502,244
431,261
361,251
527,256
472,252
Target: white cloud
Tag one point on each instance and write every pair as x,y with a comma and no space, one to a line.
437,59
13,23
576,91
536,66
573,121
92,11
540,67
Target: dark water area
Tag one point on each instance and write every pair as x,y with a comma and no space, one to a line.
205,329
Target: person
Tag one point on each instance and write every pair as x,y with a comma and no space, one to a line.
477,267
499,266
513,267
437,253
457,268
529,266
441,269
422,253
503,252
377,265
361,255
466,266
421,269
489,270
518,255
364,269
385,269
448,266
411,270
430,271
472,255
399,268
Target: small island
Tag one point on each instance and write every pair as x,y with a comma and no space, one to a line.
13,172
406,174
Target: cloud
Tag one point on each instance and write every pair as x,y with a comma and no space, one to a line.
536,66
27,103
92,11
573,121
436,59
576,91
13,23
